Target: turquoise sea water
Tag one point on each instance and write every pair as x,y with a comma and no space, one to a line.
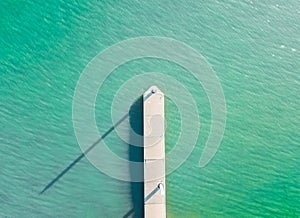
254,49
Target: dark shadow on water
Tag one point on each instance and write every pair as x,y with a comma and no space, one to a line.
71,165
136,154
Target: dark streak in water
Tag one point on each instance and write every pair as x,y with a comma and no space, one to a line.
52,182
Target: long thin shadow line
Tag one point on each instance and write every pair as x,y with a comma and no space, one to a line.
82,155
128,213
151,194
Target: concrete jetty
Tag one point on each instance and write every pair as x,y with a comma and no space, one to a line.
154,154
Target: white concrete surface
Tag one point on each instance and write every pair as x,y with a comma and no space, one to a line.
154,154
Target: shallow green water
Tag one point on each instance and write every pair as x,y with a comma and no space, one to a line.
254,49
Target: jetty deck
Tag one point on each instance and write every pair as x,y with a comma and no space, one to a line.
154,154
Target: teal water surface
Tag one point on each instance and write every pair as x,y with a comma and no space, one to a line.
252,46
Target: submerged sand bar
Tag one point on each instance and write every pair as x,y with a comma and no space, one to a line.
154,154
